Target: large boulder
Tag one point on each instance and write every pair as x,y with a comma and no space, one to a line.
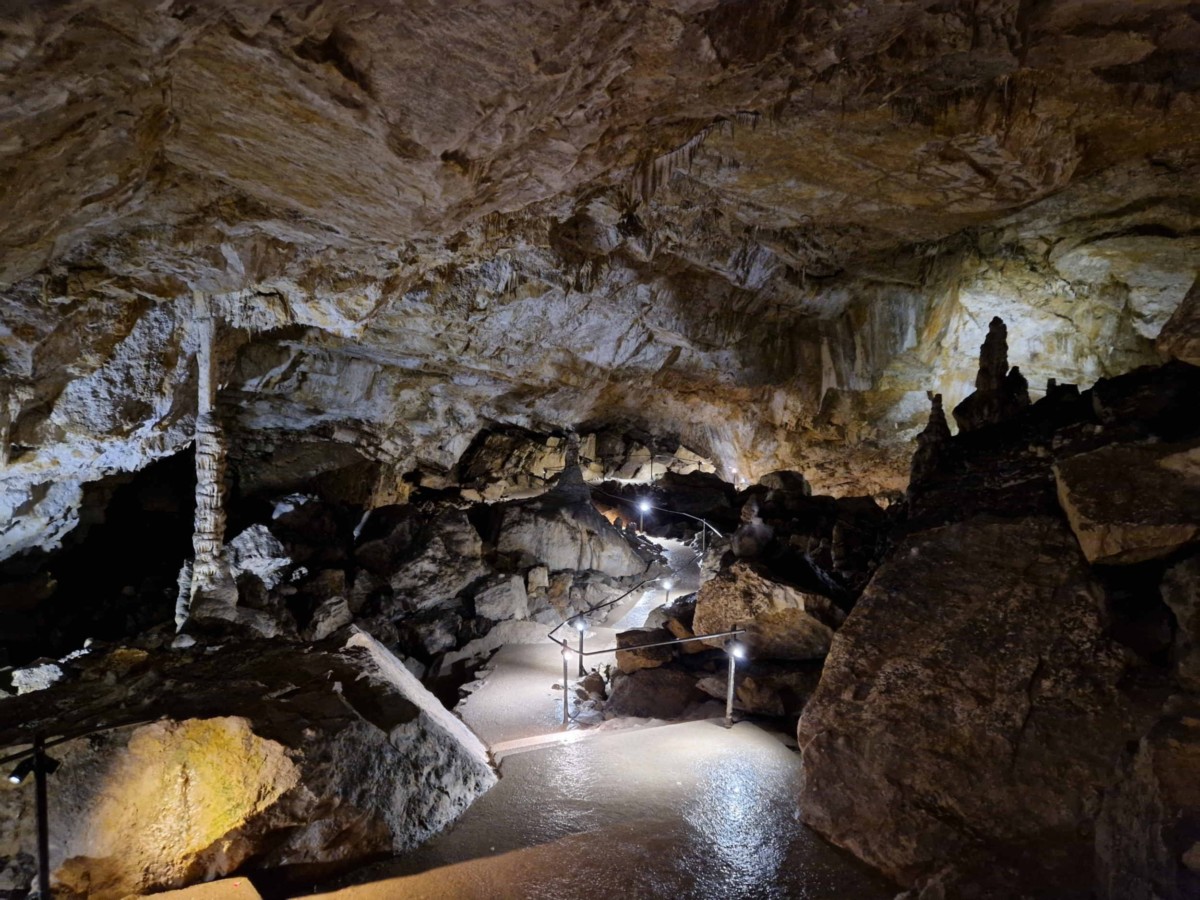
566,536
781,621
1180,337
969,708
654,694
1132,503
630,656
247,757
503,597
1148,837
450,561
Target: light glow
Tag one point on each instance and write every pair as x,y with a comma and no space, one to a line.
737,651
644,505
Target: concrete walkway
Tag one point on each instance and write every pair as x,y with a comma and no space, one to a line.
628,809
688,810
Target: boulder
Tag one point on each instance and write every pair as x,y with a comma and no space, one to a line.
566,536
781,621
244,749
1132,503
790,482
1148,836
969,707
653,694
630,659
1181,592
766,690
259,553
450,561
1180,337
328,617
503,597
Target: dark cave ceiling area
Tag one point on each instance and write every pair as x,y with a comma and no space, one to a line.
765,229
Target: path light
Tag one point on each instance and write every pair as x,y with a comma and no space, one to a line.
668,584
24,767
643,508
581,627
736,651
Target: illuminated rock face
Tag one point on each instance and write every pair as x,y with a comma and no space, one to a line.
268,756
763,229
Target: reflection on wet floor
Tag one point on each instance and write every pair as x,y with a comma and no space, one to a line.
688,810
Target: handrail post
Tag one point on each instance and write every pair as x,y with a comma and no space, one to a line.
703,537
43,817
566,699
729,693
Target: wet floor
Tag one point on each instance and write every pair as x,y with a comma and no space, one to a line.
687,810
684,561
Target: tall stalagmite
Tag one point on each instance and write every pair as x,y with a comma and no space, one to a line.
211,580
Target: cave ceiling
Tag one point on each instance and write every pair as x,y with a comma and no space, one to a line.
767,229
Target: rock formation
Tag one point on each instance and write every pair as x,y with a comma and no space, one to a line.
735,248
1000,392
198,768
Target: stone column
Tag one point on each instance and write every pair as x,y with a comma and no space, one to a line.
210,574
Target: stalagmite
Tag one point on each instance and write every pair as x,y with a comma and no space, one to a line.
212,583
932,444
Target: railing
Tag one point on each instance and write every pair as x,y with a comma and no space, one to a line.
735,652
644,506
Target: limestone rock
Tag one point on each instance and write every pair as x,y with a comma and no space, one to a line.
450,561
239,772
259,553
781,622
1181,592
1148,836
653,693
788,482
1130,503
631,659
1180,337
969,708
566,536
331,615
503,597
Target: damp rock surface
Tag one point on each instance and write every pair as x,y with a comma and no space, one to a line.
970,702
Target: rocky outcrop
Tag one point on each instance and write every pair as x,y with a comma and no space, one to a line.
631,658
1180,337
1131,503
781,622
654,694
1181,593
274,758
1148,835
970,708
566,536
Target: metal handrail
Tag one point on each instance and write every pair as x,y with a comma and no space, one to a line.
596,606
733,654
675,512
698,637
